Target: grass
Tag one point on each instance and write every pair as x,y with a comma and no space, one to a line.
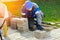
51,9
56,25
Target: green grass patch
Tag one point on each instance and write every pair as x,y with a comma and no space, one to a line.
51,9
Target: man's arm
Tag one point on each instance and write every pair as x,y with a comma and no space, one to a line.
23,11
23,15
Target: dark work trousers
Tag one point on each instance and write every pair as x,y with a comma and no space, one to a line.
39,27
31,23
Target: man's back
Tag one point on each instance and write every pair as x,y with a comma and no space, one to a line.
3,11
36,8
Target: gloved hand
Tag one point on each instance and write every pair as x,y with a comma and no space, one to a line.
24,16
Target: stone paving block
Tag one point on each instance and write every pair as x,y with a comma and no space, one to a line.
40,34
22,25
14,36
55,33
22,38
32,38
13,23
54,39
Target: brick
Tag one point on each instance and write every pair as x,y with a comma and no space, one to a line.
13,23
32,38
39,34
55,33
22,25
16,36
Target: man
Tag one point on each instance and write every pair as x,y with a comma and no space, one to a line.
31,11
3,17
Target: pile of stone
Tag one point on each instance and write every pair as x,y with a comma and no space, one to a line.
22,25
19,23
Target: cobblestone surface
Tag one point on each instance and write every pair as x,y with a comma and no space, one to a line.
16,35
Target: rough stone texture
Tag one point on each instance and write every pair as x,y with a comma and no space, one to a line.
40,34
32,38
16,36
55,33
13,23
22,25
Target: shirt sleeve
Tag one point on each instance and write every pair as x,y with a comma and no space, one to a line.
23,10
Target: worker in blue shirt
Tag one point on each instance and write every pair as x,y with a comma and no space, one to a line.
31,10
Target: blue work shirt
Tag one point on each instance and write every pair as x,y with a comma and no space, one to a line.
36,8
